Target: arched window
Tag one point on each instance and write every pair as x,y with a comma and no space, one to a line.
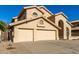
35,14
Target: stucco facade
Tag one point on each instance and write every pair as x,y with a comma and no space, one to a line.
34,27
33,24
61,17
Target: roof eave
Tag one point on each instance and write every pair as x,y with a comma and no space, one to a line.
15,23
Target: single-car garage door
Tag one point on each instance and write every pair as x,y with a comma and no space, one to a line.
45,35
24,35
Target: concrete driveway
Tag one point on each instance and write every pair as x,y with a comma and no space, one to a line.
42,47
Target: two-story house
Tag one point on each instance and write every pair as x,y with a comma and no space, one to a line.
36,23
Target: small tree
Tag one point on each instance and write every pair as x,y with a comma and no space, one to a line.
3,26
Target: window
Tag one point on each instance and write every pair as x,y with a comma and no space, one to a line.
35,14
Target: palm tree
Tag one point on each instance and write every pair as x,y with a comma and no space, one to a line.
3,26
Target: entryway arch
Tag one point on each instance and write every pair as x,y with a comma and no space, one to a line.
61,31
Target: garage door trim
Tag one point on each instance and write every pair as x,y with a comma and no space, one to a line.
26,28
46,29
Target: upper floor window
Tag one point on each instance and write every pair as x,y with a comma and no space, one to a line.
35,14
41,22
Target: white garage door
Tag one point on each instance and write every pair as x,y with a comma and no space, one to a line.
45,35
24,35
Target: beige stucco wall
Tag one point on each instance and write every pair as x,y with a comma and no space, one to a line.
29,13
46,14
33,25
61,17
69,27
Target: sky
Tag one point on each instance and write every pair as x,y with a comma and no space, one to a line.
9,11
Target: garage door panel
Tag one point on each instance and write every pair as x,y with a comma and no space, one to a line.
25,35
45,35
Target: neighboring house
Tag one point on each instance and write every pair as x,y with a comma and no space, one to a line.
75,29
37,23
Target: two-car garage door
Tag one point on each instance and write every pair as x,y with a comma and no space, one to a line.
29,35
